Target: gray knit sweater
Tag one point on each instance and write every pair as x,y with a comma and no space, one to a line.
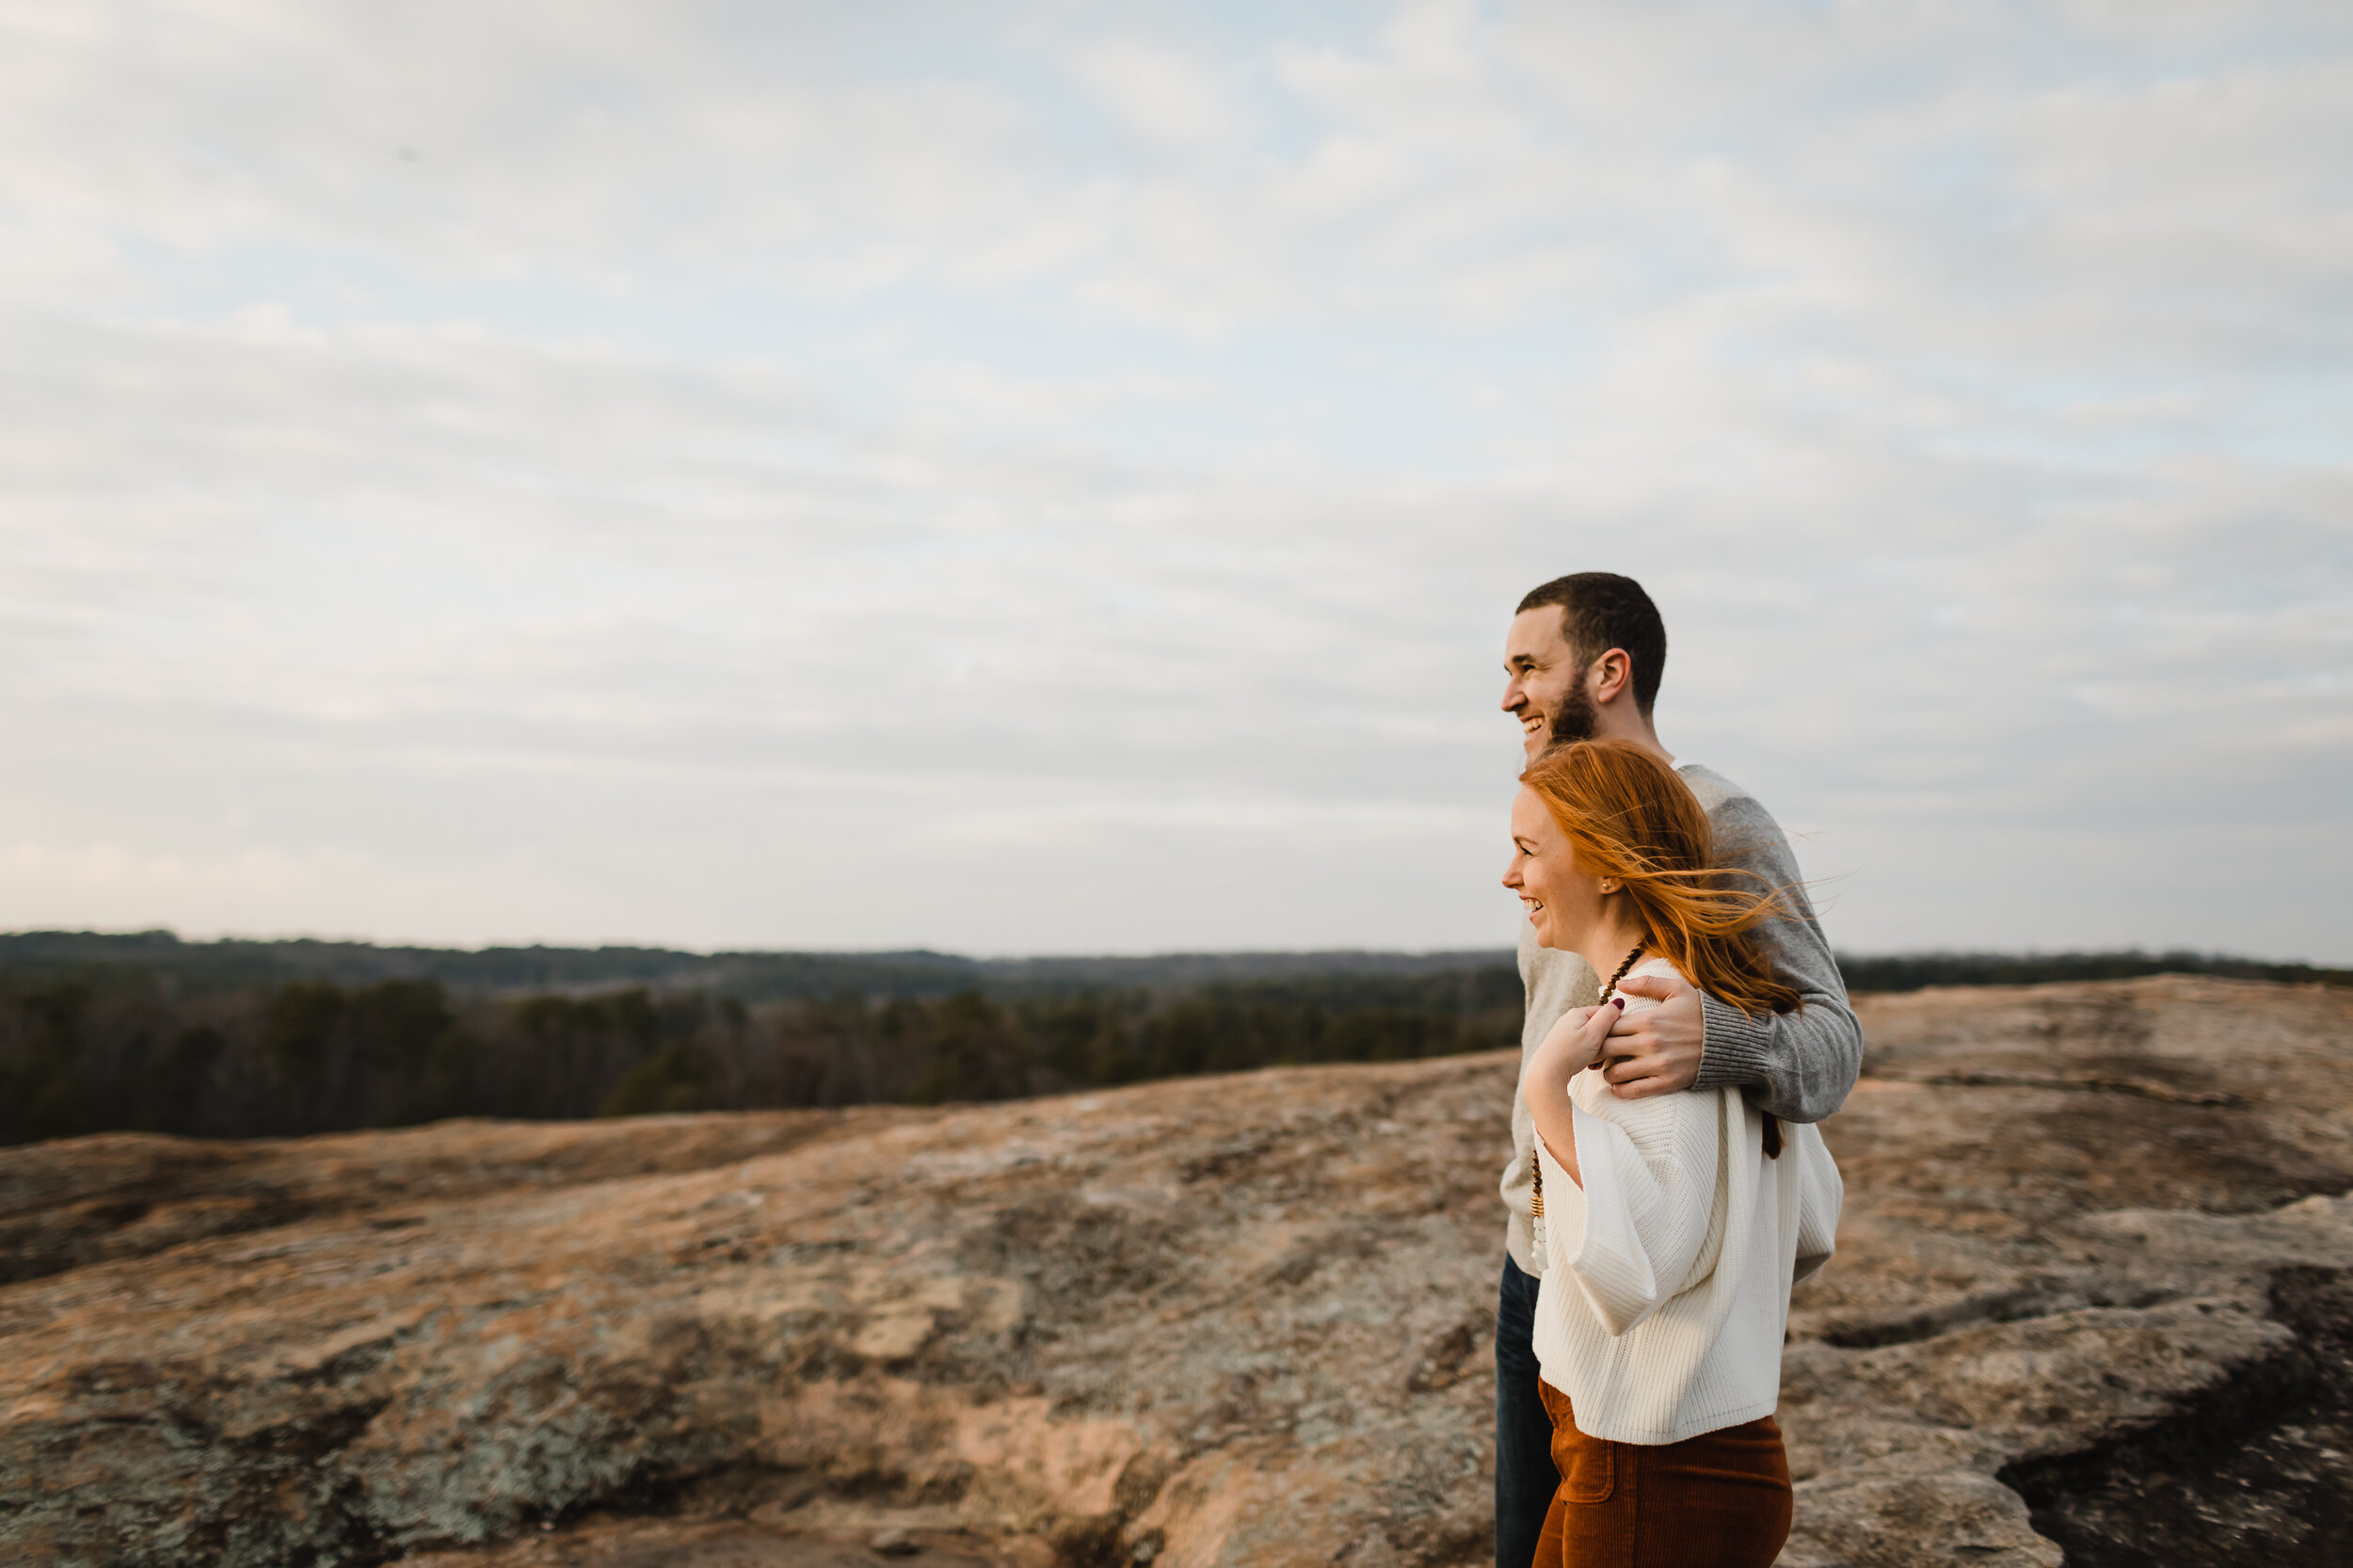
1798,1065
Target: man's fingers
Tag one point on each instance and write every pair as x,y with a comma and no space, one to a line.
1630,1027
1658,987
1634,1078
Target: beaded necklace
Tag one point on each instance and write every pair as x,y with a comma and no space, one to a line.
1536,1199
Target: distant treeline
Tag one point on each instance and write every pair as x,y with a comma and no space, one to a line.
96,1052
251,1039
194,969
1916,971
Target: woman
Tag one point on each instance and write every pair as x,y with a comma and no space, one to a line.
1671,1227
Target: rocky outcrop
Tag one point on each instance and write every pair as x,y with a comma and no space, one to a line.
90,1200
2094,1278
2092,1293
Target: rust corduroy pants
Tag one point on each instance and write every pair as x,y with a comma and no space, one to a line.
1717,1500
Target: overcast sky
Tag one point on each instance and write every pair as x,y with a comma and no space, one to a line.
1054,478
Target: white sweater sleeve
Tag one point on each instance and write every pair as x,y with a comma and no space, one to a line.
1650,1170
1820,1195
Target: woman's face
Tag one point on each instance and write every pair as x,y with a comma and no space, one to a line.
1562,899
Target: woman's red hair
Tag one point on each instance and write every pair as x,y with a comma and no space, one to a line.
1630,818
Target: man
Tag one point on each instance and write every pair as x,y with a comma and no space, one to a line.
1584,656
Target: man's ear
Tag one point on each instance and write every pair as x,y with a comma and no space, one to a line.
1610,675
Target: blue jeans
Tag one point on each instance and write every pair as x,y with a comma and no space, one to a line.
1525,1478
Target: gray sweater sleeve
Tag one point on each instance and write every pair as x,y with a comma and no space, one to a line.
1804,1062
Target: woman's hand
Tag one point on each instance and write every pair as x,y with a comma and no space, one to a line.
1569,1047
1572,1044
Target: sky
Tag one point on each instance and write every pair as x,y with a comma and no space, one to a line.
1050,478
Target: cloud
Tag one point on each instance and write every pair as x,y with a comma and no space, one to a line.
739,474
1162,94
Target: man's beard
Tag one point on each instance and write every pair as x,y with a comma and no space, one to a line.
1576,720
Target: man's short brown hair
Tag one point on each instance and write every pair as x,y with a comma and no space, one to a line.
1599,611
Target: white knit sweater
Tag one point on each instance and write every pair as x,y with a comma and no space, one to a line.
1666,1283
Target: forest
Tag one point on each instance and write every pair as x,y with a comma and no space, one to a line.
100,1051
233,1040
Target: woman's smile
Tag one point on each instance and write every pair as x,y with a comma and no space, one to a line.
1546,875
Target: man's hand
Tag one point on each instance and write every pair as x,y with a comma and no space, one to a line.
1657,1051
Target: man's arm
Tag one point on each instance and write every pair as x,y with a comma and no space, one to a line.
1806,1062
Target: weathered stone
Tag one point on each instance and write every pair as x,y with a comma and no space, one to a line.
1219,1320
2067,1205
129,1194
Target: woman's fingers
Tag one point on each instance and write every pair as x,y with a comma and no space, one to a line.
1595,1032
1595,1029
1575,1036
1571,1024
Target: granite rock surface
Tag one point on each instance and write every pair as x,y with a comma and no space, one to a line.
2093,1296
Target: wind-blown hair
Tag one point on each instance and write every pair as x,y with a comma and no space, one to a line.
1630,817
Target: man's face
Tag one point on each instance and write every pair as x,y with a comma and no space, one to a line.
1546,686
